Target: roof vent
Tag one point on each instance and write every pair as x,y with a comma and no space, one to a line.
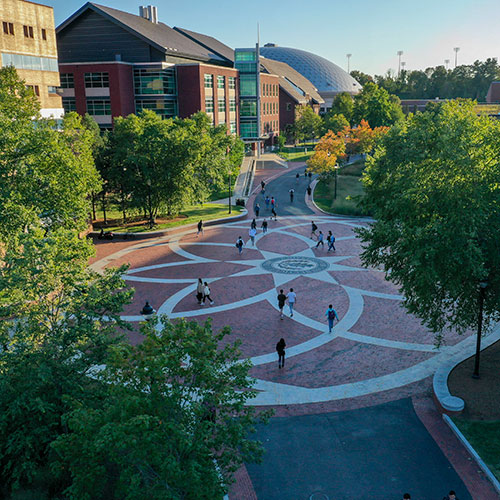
271,45
150,13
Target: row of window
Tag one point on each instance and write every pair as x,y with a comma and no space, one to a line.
270,90
221,81
269,108
8,29
221,104
29,62
268,127
51,90
155,81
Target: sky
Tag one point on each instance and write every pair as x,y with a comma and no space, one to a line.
373,31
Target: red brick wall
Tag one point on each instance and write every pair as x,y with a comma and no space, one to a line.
189,90
270,118
287,109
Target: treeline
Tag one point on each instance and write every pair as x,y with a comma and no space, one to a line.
468,81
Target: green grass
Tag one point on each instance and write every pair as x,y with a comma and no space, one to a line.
296,156
485,439
191,215
355,169
349,188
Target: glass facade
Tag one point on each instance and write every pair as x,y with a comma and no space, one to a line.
248,129
232,104
96,80
166,108
98,107
245,60
67,81
29,62
221,82
155,81
248,85
209,81
221,104
244,55
209,104
248,108
69,104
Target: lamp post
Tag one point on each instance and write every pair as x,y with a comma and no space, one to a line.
400,53
348,63
446,62
456,49
335,191
482,289
147,311
229,199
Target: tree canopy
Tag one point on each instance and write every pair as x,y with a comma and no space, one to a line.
308,124
433,189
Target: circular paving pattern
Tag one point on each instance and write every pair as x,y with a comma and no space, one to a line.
295,265
374,347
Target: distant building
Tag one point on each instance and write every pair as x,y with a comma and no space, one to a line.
493,95
28,43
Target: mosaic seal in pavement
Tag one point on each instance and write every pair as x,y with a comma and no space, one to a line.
295,265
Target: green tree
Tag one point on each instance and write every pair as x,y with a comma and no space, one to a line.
433,189
175,423
343,104
361,78
307,124
335,123
374,104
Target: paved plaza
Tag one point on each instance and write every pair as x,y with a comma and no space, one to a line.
345,401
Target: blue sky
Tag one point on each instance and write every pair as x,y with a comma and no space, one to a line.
373,31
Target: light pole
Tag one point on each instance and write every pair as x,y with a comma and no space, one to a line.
229,199
456,49
348,63
147,311
403,64
446,62
335,191
482,289
400,53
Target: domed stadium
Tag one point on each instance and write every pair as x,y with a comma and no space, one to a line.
327,77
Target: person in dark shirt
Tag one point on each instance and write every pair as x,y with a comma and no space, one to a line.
280,349
281,302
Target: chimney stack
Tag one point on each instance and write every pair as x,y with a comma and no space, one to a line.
150,13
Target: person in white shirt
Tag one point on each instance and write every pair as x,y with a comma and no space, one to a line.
252,234
292,299
206,294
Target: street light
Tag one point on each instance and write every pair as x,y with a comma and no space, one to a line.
456,49
147,311
400,53
348,63
446,62
335,191
403,64
482,289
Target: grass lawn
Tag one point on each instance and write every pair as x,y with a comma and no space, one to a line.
485,439
190,215
296,156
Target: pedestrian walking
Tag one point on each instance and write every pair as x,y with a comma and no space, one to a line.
406,496
273,202
310,176
281,302
305,173
206,294
253,224
321,238
200,228
267,201
292,192
199,291
273,214
331,314
257,209
280,349
264,226
292,299
314,228
297,178
262,186
451,496
252,234
309,191
239,244
331,241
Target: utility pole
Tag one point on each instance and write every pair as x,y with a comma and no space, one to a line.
400,53
348,63
456,49
446,62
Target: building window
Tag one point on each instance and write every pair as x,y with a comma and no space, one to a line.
8,28
67,81
35,89
165,107
248,129
28,31
244,56
248,85
52,89
154,81
221,82
209,81
232,127
232,82
222,120
248,108
232,104
29,62
69,104
96,80
98,107
221,104
44,34
209,104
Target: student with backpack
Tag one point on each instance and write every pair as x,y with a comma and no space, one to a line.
314,228
239,244
331,314
280,349
331,241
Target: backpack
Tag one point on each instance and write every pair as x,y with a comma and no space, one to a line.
314,227
331,314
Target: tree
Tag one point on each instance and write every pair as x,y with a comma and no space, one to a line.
433,189
361,78
307,123
343,104
174,424
327,152
362,139
374,105
335,123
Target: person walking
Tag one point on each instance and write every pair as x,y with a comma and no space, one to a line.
239,245
281,302
262,186
206,294
280,349
292,299
309,191
292,192
451,496
273,214
331,314
257,210
310,176
200,228
273,202
252,232
267,201
253,224
305,173
331,241
321,238
264,226
314,228
199,291
297,178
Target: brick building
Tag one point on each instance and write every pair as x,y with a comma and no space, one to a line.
28,42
